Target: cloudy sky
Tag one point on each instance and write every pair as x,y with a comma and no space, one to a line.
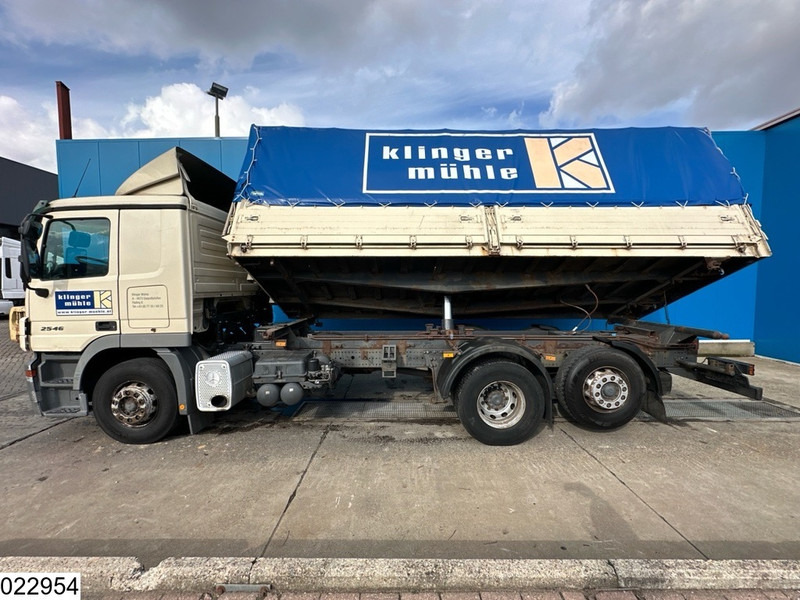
140,68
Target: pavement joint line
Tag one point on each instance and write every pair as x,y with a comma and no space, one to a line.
638,497
294,491
335,575
37,432
349,385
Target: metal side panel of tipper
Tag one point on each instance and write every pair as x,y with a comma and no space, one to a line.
491,260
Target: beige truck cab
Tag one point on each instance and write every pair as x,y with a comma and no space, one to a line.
125,294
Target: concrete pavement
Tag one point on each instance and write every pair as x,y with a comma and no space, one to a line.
396,490
282,499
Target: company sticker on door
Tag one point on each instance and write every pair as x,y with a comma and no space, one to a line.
84,303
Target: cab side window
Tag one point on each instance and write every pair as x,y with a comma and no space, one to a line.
75,248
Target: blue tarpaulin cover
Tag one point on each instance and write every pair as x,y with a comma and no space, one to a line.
661,166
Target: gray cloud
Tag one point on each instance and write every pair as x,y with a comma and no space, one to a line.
373,59
704,62
345,30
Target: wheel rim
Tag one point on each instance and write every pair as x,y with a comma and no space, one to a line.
134,404
501,404
606,389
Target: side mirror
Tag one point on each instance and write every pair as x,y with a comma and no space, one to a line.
30,230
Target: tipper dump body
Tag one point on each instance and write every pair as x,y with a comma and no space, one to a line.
336,223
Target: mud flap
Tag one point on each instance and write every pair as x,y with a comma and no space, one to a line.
653,405
199,421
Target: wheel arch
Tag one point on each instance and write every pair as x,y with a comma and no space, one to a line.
482,350
99,356
650,371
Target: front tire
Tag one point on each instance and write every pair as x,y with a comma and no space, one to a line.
135,402
500,403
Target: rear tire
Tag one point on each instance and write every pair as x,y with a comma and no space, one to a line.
500,403
135,402
600,387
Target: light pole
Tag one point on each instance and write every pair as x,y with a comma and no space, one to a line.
219,92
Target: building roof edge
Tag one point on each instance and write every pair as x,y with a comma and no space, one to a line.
777,120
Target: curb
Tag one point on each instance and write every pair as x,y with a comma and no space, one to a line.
382,575
126,574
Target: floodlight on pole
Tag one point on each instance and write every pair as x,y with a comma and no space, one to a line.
218,92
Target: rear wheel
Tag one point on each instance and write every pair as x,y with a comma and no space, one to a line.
500,403
600,387
135,402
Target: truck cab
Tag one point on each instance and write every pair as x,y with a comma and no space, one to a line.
126,293
11,289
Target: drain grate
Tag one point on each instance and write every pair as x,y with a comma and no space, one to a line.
375,411
729,410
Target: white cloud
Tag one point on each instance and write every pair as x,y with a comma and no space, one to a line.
84,128
28,134
283,114
183,109
180,110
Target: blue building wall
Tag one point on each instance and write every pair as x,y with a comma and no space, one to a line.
756,303
777,328
98,167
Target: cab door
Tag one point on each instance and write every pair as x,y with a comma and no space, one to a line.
76,278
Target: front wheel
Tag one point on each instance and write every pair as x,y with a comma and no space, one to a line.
500,403
135,402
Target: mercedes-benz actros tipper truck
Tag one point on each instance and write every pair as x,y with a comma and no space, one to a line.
155,304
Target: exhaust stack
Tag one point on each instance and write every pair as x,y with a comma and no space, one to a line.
64,112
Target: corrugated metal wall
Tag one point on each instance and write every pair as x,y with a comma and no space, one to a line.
107,163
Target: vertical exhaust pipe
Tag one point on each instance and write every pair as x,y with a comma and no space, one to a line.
64,112
447,322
